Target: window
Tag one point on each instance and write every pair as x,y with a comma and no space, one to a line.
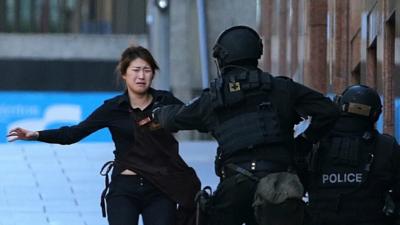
73,16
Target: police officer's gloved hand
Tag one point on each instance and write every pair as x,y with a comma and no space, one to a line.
303,144
149,121
153,114
154,124
301,154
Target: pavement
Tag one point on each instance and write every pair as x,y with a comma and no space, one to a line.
50,184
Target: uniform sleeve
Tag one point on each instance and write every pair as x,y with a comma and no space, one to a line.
192,116
322,110
72,134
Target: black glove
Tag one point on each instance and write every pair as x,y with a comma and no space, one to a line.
153,114
149,121
301,157
303,145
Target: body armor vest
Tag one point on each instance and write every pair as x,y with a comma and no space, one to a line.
342,181
343,163
246,116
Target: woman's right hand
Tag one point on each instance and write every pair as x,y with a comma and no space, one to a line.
22,134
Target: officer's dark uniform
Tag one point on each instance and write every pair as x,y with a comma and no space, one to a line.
251,114
354,167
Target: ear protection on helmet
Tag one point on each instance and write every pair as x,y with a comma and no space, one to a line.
219,52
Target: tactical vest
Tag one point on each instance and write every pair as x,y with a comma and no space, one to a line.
341,186
246,118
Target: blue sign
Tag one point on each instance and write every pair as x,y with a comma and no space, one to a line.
49,110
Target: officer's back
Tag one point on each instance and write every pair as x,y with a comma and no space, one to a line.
251,114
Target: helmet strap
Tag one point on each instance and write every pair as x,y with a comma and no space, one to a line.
217,64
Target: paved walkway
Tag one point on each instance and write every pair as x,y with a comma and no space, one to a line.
42,184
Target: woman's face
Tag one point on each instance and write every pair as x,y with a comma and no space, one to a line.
138,76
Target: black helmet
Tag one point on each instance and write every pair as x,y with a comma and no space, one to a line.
237,43
360,100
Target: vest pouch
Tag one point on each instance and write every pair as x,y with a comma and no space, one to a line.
269,123
249,129
240,132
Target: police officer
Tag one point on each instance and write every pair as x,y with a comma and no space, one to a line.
354,167
251,114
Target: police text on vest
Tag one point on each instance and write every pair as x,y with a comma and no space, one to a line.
335,178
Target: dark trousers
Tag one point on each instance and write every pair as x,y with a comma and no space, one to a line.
232,202
131,196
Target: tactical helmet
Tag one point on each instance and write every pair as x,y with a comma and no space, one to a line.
360,100
237,43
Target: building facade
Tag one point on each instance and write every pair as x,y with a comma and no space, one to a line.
73,45
66,45
329,45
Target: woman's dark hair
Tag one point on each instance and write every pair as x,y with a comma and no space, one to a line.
130,54
133,53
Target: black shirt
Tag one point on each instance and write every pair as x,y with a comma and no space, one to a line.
139,145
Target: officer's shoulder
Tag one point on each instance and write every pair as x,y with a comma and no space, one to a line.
386,136
386,139
283,78
281,82
206,93
279,79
